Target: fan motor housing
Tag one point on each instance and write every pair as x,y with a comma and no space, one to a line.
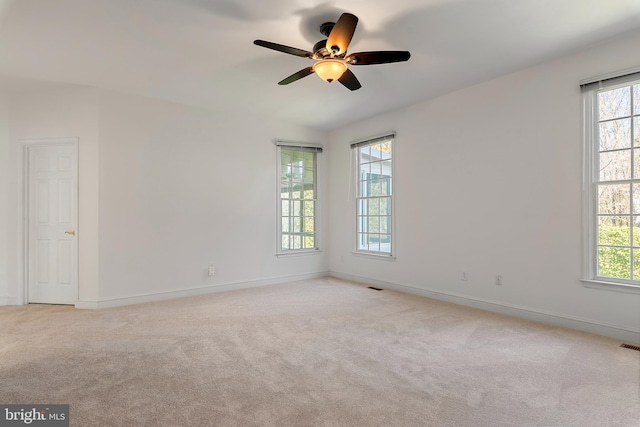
325,29
320,48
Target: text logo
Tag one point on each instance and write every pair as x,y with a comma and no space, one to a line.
34,415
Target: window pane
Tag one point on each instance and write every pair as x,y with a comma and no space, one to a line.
375,152
385,243
374,207
286,224
365,171
285,157
297,173
614,262
636,199
296,207
285,208
309,225
614,231
308,159
296,192
636,264
374,242
380,187
285,171
615,165
615,134
363,206
376,169
636,236
285,189
297,157
286,241
309,192
614,199
374,224
297,198
614,103
386,150
308,176
309,242
309,208
386,168
375,188
364,188
365,154
362,223
384,206
362,241
385,222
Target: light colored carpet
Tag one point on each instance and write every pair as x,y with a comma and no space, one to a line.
313,353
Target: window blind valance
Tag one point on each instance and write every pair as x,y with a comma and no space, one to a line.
611,79
384,138
302,146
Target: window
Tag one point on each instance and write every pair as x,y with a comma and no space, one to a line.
297,198
612,180
374,195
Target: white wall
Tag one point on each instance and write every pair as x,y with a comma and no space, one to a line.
488,181
55,113
182,188
165,190
4,198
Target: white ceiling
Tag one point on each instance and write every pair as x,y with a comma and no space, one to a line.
201,52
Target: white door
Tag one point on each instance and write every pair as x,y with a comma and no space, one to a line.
52,224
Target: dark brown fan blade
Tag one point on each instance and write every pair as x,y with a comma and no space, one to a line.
297,76
342,33
378,57
283,48
350,81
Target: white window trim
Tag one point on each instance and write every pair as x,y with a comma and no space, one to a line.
590,135
354,199
318,228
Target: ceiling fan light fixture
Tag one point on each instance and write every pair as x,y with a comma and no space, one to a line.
330,69
331,54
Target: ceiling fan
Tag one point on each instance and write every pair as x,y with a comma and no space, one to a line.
331,54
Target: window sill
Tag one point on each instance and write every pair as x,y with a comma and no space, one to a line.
298,253
610,286
374,256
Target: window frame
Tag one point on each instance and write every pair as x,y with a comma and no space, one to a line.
355,162
591,179
302,147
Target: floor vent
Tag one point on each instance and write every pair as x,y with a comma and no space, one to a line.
630,347
375,289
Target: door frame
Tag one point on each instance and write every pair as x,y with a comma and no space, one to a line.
27,144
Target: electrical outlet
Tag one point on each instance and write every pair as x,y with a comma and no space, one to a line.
465,276
498,279
212,270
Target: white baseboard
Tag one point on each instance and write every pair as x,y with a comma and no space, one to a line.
8,301
181,293
614,331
